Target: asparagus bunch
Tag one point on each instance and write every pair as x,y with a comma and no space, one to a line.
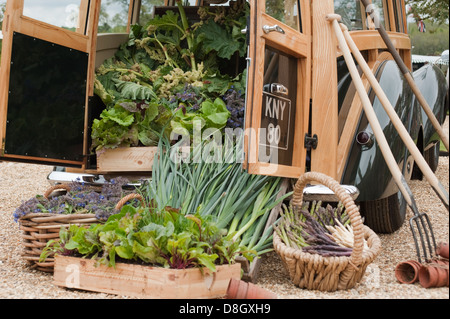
311,229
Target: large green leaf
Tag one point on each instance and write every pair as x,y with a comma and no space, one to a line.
134,91
216,38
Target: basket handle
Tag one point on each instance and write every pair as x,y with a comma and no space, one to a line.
127,198
53,188
352,210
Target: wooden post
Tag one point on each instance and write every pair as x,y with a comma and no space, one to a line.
13,12
324,95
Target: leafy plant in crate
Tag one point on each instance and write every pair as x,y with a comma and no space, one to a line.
163,238
41,217
175,72
197,214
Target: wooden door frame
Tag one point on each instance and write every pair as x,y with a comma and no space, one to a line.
295,44
82,40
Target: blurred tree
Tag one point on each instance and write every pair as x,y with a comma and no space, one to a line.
434,10
432,42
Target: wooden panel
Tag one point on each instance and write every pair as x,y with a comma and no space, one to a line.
127,159
292,42
83,40
46,161
390,10
324,90
51,33
366,40
13,12
143,281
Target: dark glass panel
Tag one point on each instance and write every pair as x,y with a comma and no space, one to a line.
278,109
46,101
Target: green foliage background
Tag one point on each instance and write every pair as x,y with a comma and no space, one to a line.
432,42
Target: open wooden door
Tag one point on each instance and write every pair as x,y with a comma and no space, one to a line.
278,90
46,78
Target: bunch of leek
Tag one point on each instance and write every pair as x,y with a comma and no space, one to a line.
239,202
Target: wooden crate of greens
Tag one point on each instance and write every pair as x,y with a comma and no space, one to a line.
144,281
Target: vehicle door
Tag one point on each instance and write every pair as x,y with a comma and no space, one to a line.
278,90
46,77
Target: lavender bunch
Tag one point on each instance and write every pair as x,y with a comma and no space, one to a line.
81,199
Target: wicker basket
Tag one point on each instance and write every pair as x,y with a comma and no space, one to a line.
40,228
315,272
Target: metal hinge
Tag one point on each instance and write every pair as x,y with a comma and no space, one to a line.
311,142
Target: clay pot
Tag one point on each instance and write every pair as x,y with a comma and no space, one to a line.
238,289
407,272
442,250
434,274
428,276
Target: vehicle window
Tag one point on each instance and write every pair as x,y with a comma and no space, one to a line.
350,12
61,13
113,16
276,141
285,11
398,12
147,11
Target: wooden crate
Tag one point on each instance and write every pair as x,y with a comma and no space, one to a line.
127,159
143,281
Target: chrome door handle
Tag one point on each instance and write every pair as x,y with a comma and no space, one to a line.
276,28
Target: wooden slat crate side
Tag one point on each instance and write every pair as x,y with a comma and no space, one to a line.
127,159
143,281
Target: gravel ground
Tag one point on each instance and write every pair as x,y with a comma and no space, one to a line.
19,182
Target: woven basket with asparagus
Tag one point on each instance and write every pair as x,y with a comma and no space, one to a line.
316,229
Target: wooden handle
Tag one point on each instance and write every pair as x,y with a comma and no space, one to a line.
127,198
50,190
404,69
372,117
396,121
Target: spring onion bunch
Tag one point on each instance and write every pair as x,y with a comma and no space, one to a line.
238,202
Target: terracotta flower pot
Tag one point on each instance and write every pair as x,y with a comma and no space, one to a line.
434,274
428,276
443,272
407,272
238,289
442,250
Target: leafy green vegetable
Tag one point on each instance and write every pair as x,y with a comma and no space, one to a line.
215,113
165,238
215,37
157,63
237,201
134,91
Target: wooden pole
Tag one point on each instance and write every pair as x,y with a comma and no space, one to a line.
412,147
408,76
371,116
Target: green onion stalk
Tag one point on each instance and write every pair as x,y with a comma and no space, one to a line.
238,202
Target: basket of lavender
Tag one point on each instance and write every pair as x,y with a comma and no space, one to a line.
41,217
